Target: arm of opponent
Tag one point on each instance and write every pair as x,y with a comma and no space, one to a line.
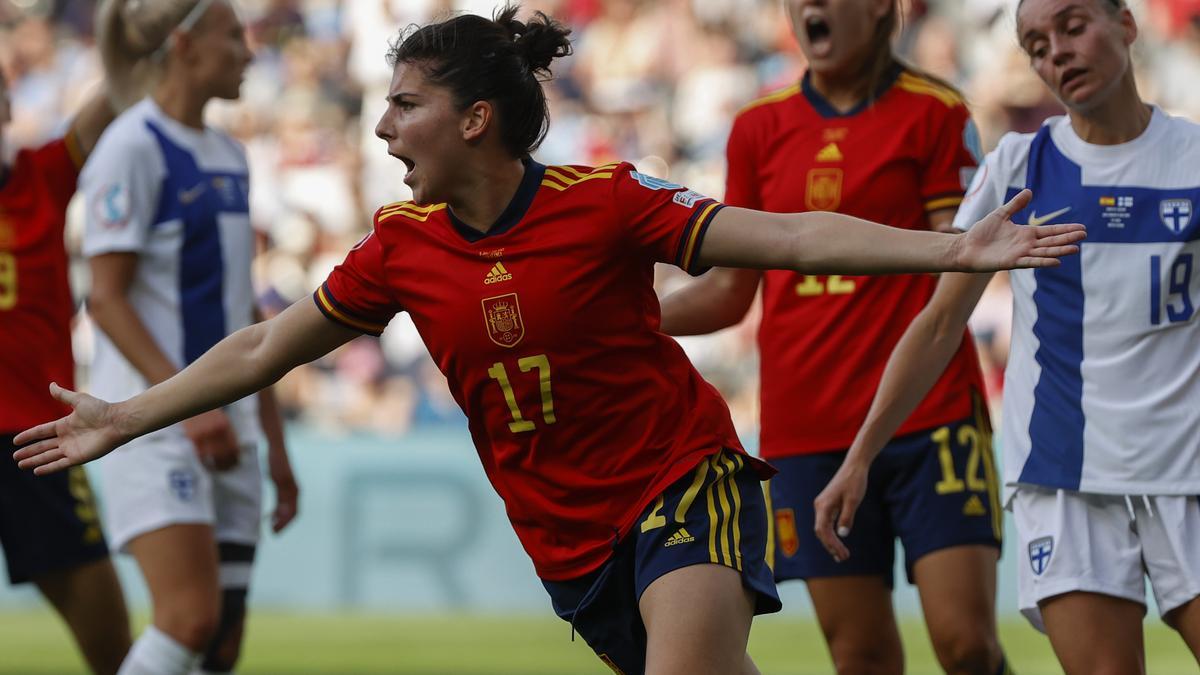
241,364
832,243
915,365
279,466
108,304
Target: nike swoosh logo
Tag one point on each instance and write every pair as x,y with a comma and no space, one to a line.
188,196
1035,221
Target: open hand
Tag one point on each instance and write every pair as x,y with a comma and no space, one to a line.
996,243
88,433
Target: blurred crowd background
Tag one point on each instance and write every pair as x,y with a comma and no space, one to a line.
656,82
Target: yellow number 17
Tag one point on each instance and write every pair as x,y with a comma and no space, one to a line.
519,424
8,281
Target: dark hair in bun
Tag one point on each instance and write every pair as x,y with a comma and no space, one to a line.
501,60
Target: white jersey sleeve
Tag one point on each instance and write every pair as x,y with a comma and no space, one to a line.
121,184
1001,175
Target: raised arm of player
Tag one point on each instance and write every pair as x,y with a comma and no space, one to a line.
913,368
831,243
241,364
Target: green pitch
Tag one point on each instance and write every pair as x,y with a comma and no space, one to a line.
33,643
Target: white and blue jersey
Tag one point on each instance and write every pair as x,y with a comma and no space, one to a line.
177,197
1102,390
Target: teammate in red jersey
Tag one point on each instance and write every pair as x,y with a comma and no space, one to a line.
864,135
49,526
532,288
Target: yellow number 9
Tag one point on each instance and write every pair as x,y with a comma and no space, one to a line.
8,281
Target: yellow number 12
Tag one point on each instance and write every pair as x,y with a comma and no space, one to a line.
498,373
8,281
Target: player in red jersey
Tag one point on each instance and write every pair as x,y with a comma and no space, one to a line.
49,526
863,135
532,288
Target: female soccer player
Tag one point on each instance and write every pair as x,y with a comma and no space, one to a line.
864,135
1101,436
532,288
169,241
49,528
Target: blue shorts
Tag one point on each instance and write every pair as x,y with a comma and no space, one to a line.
47,523
933,489
715,514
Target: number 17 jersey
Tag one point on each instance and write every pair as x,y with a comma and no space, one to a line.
1102,389
546,329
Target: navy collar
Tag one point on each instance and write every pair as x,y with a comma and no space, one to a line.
514,212
826,110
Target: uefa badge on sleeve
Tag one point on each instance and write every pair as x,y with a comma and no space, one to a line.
1040,551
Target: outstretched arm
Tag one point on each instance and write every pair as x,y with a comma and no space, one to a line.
236,367
915,365
831,243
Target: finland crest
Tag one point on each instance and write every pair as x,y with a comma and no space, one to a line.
502,316
1176,214
1040,551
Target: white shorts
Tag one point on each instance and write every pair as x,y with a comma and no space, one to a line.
154,482
1108,544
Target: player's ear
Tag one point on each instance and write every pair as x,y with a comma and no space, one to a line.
476,120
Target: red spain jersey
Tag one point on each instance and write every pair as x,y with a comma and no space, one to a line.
35,298
546,329
824,340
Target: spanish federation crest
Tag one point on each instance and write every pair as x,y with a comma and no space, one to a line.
785,529
1040,551
1176,214
502,316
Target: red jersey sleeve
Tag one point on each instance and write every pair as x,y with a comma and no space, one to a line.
356,294
741,181
952,153
58,163
666,220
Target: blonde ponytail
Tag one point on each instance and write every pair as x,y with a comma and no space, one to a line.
131,35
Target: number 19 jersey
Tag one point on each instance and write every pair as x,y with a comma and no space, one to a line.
546,329
1102,390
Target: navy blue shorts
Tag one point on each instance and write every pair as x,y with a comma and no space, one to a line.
47,523
933,489
715,514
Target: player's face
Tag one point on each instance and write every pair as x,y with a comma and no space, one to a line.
421,128
836,36
222,55
1078,47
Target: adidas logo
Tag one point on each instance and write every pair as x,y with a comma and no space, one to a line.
680,537
497,274
830,153
974,507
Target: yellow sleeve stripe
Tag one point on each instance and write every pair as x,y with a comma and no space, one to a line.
694,235
775,97
920,85
74,148
559,182
418,213
581,174
325,304
943,203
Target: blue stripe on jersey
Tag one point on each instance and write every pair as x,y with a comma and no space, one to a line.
1057,423
196,198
